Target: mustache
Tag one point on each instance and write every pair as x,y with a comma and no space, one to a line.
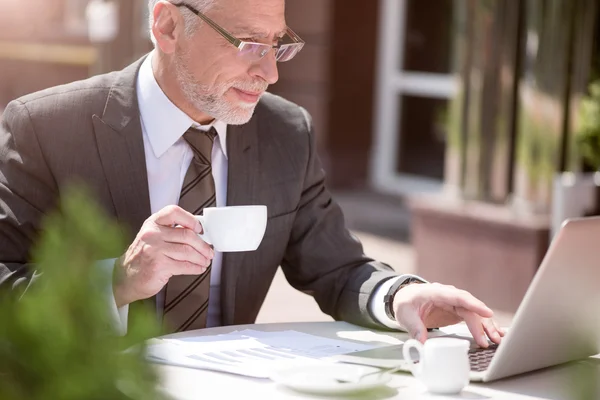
253,87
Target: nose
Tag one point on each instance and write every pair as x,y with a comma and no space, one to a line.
266,68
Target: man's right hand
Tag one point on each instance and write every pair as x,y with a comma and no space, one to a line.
159,251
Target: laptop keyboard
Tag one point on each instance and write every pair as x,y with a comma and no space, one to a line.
480,358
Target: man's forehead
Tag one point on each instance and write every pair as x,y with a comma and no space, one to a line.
256,18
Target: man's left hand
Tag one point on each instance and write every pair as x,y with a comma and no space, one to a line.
432,305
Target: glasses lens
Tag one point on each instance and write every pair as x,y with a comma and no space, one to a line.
254,51
287,51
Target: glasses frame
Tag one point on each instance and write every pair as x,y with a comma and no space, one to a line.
298,43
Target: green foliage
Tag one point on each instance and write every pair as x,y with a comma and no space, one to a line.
588,129
56,341
583,380
537,147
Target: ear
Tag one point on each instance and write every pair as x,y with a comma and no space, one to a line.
167,26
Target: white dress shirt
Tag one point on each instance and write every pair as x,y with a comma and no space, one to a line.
168,157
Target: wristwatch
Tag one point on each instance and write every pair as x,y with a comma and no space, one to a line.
388,299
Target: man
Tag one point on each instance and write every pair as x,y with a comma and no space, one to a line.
190,126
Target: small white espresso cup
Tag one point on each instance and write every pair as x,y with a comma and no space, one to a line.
235,228
443,364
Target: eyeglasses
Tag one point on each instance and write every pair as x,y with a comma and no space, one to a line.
253,51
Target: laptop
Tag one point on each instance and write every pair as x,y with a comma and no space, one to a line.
558,320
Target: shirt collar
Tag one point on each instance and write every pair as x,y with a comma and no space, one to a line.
163,122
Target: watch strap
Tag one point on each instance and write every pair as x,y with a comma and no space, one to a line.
388,299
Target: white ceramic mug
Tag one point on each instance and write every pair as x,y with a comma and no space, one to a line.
443,365
235,228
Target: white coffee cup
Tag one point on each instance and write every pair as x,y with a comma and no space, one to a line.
443,364
234,228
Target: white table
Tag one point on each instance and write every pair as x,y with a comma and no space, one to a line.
192,384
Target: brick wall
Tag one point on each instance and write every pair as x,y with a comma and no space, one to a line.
333,79
305,80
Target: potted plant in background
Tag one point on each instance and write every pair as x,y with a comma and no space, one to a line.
587,138
588,129
577,194
56,340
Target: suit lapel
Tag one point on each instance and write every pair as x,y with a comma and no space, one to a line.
243,173
121,147
120,144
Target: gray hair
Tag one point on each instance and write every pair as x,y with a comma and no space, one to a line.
192,22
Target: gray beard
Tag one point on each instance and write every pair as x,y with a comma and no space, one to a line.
210,100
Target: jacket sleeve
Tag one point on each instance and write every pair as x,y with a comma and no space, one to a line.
323,259
27,192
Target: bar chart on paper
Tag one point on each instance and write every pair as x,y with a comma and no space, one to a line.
248,352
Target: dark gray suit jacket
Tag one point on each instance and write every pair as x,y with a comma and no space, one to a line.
91,131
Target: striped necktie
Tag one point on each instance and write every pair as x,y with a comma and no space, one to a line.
186,297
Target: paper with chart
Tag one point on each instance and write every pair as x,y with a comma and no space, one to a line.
249,352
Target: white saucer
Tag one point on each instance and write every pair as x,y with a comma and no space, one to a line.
322,379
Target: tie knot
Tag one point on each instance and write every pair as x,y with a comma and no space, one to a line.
201,143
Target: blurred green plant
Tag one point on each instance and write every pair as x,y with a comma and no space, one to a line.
583,380
588,127
56,341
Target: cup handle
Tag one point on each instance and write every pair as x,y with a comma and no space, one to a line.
204,235
410,344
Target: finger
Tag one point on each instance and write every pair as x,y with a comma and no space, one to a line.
183,252
188,237
492,331
501,330
175,215
461,299
185,268
475,324
408,317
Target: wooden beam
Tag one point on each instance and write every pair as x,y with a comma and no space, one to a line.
80,55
